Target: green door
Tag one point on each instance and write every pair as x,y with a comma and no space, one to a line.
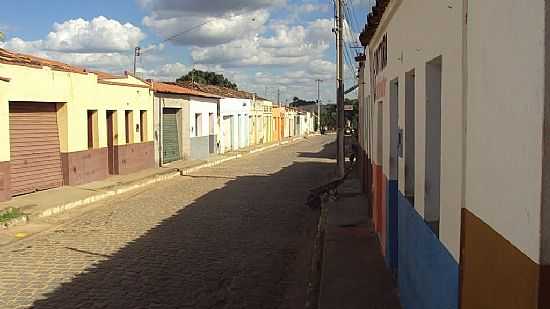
170,135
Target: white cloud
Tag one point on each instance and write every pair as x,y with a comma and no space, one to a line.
286,46
101,44
100,35
189,29
209,7
166,72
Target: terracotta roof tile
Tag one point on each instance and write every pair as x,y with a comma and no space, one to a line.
218,90
14,58
9,57
373,21
179,89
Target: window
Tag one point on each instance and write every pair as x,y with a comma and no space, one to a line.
381,55
143,126
129,122
93,137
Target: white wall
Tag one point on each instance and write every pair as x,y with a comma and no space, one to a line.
505,118
202,106
235,107
412,42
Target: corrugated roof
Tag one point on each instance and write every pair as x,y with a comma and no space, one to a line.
172,88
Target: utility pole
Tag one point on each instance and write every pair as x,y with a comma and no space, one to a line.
137,53
319,81
340,88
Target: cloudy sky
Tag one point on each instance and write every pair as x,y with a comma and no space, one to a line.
263,45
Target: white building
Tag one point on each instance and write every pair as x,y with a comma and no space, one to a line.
234,111
455,126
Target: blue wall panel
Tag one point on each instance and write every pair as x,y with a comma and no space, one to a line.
392,253
428,274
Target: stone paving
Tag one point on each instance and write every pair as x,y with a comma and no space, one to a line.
233,236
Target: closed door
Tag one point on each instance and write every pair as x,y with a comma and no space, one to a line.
111,141
227,133
34,147
170,135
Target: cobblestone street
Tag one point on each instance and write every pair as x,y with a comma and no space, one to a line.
234,236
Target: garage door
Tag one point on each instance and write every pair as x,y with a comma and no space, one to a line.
34,145
170,136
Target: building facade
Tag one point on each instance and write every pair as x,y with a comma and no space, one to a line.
278,123
204,128
235,108
172,122
62,125
456,139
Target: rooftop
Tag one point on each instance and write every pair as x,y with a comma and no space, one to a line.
166,87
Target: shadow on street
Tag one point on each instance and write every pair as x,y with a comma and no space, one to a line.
245,245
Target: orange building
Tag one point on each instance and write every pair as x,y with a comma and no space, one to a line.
279,123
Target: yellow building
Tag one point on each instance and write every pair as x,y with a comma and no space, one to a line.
64,125
268,122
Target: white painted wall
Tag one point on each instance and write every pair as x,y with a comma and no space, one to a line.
202,106
235,107
505,118
412,42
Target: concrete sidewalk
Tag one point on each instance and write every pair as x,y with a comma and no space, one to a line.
55,201
353,273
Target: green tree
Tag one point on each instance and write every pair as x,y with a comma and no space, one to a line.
353,116
207,78
297,102
328,116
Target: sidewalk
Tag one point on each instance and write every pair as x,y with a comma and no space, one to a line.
353,272
55,201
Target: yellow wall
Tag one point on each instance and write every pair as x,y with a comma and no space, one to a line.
75,94
4,123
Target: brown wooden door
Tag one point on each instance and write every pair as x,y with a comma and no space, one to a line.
34,147
111,141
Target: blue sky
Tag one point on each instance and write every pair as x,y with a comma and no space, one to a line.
260,44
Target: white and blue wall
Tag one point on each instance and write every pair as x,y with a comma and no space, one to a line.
201,145
417,202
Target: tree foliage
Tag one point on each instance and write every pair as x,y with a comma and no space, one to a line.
208,78
297,102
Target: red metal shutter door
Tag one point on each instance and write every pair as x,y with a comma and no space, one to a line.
34,147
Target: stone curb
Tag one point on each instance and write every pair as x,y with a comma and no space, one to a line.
116,190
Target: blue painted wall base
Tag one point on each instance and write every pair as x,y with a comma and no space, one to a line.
392,253
428,274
